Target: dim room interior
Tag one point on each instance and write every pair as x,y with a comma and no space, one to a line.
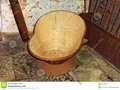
60,40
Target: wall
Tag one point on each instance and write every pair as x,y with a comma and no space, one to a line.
103,29
33,9
0,22
0,16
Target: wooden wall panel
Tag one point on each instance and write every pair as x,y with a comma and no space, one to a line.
103,29
104,43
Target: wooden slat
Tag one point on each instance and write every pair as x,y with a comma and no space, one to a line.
111,13
99,5
95,6
96,2
85,2
103,13
115,20
90,1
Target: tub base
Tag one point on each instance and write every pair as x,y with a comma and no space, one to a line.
57,69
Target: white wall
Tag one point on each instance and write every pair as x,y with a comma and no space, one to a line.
33,9
0,16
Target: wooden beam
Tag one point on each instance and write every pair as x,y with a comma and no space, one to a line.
19,19
85,2
1,36
89,9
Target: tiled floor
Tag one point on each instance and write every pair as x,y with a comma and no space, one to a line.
16,64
